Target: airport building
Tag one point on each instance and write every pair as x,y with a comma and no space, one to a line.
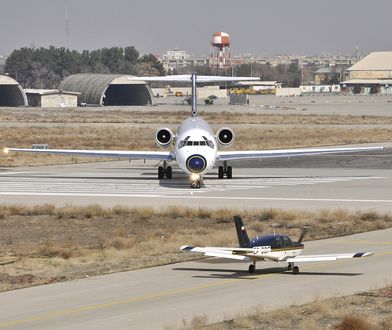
371,75
107,89
11,93
51,98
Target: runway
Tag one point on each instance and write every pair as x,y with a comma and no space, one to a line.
355,182
164,296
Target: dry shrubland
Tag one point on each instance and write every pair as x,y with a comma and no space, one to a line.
363,311
50,243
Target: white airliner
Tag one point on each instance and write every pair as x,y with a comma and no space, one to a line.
276,248
195,144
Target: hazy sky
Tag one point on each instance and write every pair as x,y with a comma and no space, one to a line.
301,27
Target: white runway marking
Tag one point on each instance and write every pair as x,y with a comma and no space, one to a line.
342,200
124,187
94,186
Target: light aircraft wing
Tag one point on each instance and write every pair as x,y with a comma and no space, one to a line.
257,154
152,155
328,257
188,78
245,254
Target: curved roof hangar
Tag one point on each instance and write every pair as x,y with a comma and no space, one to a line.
107,89
11,93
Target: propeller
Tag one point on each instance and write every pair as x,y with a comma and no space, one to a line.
303,233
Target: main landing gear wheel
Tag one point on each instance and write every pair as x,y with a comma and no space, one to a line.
165,171
252,268
295,270
290,266
225,170
169,172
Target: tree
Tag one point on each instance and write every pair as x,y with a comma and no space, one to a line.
47,67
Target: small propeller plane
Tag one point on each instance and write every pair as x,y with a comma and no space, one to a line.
277,248
195,144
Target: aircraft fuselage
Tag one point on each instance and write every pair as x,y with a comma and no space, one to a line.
195,147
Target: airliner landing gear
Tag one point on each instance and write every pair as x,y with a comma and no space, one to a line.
165,171
225,170
196,184
252,267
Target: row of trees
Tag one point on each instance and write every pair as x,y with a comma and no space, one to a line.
47,67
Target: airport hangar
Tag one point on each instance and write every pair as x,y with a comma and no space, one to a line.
11,93
371,75
107,89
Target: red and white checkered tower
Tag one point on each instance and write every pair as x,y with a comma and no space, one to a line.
220,57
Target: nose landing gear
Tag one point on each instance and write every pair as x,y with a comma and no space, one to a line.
196,181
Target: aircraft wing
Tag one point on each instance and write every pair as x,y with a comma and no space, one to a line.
152,155
328,257
257,154
188,78
245,254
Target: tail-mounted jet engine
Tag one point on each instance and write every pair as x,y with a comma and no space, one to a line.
225,136
164,137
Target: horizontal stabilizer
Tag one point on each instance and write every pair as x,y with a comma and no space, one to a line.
188,78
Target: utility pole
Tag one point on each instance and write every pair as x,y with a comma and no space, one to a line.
66,28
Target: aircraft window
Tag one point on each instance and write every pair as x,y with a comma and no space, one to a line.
196,143
189,143
277,242
183,142
202,143
208,142
287,242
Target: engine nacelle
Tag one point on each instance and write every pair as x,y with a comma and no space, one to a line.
225,136
164,137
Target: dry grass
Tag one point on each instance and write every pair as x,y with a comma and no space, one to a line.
51,243
363,311
314,130
150,115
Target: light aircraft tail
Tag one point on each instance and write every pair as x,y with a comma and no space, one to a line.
243,238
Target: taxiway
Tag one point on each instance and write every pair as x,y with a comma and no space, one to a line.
164,296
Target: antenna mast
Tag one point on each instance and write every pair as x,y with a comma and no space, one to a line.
66,27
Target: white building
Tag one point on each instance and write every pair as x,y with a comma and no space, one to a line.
180,59
52,98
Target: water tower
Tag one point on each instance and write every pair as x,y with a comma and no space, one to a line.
220,55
